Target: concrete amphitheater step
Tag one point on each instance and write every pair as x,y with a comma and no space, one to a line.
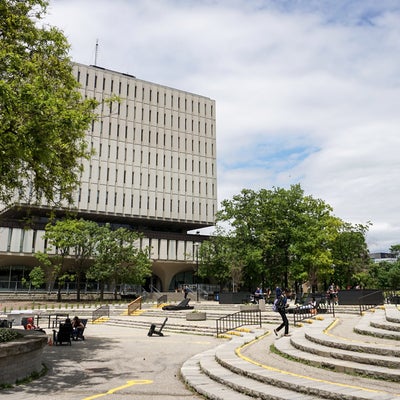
328,355
376,325
297,347
205,375
171,326
355,344
392,313
291,385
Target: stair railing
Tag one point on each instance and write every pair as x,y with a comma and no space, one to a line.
135,305
238,319
103,311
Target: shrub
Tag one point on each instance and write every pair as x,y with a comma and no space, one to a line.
7,335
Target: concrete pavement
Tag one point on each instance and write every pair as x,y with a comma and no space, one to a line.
116,363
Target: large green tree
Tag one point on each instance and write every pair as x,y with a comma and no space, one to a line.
80,236
350,254
43,117
69,240
118,258
277,237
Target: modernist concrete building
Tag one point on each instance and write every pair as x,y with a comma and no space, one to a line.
154,170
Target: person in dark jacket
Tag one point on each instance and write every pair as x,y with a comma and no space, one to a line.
282,306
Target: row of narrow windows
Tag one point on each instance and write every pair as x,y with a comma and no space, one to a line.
152,95
188,165
156,182
187,143
145,202
159,118
171,247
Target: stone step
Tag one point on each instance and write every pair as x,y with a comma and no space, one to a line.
170,326
392,313
204,385
356,346
366,326
298,348
332,352
244,384
290,385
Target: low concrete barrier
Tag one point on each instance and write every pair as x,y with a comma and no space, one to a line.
21,357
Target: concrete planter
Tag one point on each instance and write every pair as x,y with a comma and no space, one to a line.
21,357
249,307
196,316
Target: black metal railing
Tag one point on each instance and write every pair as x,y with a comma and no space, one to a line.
369,301
162,299
238,319
55,319
103,311
304,312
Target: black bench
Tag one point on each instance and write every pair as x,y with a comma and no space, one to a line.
155,331
183,305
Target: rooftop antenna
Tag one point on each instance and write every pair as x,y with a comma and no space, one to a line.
96,52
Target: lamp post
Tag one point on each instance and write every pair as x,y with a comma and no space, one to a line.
196,246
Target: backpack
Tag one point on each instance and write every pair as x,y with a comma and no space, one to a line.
278,304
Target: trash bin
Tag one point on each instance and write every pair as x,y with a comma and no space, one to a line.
216,296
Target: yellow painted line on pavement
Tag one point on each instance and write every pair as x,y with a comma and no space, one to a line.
238,352
112,391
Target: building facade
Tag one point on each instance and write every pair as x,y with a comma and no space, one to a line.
153,170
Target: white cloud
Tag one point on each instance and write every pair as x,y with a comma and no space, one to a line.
306,91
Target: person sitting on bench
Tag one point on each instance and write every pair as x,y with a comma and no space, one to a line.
78,327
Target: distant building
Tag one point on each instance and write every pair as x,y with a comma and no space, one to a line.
380,257
154,170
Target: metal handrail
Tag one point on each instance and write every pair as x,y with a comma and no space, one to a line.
162,299
238,319
103,311
302,313
135,305
361,301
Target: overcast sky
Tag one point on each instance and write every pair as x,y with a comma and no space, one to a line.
307,91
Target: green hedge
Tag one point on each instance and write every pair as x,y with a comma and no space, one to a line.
7,335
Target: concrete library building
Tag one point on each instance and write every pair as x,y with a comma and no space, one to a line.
153,170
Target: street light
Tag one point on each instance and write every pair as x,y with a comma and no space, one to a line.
196,246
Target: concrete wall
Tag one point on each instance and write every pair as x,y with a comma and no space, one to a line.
21,357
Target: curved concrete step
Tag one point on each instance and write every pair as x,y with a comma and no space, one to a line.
352,354
208,377
204,385
244,384
297,384
339,360
351,345
392,313
365,326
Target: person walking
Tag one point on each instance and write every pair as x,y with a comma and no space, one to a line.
281,306
185,291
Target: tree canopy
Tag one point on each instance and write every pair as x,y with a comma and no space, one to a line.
78,248
281,237
43,117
